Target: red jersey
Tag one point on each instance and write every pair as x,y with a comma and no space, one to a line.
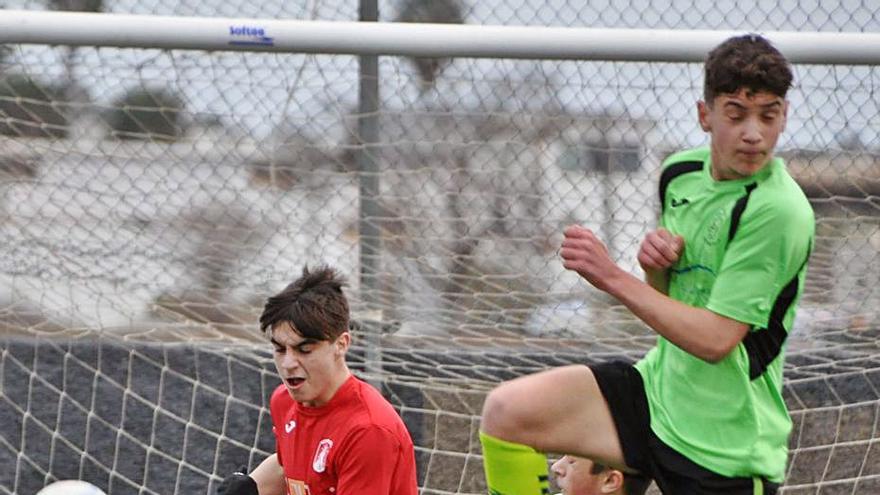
355,444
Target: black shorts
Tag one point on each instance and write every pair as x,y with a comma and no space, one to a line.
622,386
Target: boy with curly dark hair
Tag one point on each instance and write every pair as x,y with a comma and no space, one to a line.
702,412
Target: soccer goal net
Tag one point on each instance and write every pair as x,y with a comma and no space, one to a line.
152,197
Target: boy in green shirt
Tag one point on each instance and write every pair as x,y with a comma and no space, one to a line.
702,412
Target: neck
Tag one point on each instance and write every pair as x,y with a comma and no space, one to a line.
336,383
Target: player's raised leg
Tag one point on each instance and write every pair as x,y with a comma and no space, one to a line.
560,410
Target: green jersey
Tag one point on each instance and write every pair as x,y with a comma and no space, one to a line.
746,247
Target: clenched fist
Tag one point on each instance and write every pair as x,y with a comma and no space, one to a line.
585,254
659,250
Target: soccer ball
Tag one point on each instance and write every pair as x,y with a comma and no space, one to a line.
71,487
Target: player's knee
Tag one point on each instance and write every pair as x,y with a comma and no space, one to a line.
498,418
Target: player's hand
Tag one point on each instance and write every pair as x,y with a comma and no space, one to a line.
238,483
585,254
660,250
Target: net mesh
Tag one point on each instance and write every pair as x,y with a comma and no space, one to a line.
151,200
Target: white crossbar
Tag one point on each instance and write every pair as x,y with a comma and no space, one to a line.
360,38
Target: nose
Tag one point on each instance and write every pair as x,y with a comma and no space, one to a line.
556,468
752,131
289,360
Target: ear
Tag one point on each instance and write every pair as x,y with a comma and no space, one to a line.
784,114
343,342
703,115
612,481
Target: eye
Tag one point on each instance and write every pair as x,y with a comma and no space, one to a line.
279,350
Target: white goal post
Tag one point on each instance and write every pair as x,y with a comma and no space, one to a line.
412,39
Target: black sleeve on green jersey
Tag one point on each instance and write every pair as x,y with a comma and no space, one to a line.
671,172
764,346
769,248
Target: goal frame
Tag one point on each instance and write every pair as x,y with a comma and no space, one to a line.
415,39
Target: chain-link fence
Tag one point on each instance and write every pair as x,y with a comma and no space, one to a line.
160,195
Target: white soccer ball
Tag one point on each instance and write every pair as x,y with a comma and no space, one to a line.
71,487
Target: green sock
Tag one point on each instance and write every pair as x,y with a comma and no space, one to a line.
513,468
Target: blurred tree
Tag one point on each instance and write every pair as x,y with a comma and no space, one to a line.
147,113
30,108
431,11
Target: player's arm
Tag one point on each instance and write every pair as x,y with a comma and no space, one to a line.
269,476
658,279
703,333
368,462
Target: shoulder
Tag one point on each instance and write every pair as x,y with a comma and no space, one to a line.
377,406
372,421
682,164
375,412
369,439
686,156
781,199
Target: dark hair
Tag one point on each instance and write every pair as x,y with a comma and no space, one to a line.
633,484
598,468
313,305
749,62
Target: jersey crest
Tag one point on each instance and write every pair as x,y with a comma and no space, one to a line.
714,228
319,463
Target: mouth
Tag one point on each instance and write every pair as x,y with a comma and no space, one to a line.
751,153
294,382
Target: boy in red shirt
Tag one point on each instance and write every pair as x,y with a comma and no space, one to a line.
335,434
